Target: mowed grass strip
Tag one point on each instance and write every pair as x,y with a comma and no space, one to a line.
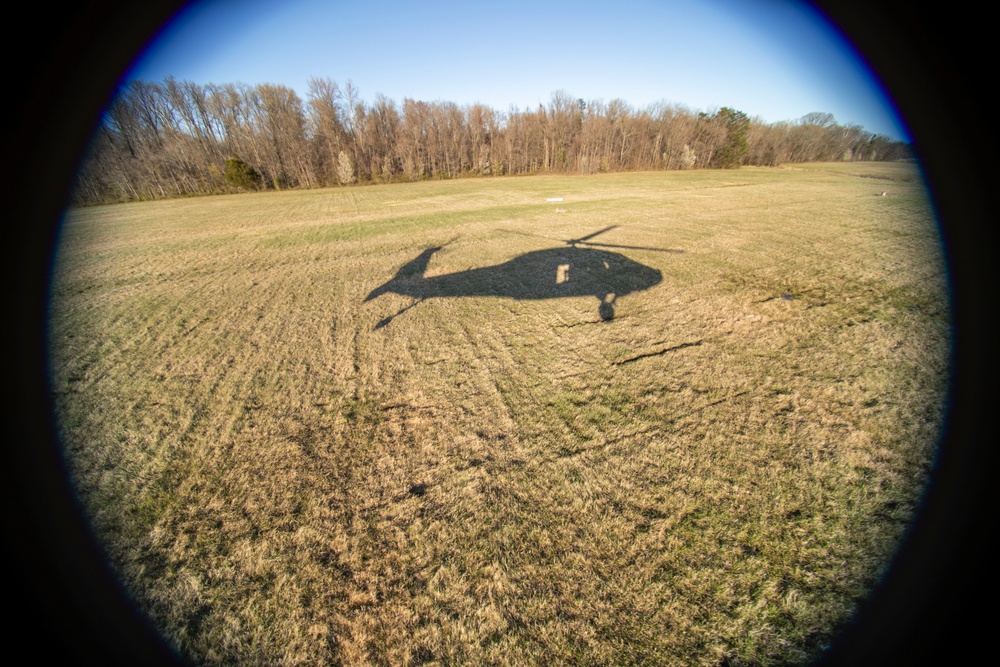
718,473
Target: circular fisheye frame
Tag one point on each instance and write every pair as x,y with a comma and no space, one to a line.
67,589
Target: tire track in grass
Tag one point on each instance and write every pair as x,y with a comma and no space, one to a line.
524,394
483,345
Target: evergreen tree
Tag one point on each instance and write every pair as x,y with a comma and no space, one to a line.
241,175
735,150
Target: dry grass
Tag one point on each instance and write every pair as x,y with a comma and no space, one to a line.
717,474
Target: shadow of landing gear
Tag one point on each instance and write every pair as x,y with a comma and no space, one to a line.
607,308
543,274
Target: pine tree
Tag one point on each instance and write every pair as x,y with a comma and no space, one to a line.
241,175
733,152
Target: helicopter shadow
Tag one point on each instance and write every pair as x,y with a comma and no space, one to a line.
552,273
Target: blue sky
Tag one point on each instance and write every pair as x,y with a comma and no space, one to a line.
774,59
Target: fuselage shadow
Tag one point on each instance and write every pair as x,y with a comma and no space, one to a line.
542,274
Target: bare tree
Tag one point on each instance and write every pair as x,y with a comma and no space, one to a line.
174,138
345,168
327,126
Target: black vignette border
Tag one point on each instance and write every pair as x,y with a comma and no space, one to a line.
924,610
65,68
63,64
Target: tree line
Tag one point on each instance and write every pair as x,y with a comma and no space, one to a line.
178,138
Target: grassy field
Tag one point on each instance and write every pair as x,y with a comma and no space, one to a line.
714,467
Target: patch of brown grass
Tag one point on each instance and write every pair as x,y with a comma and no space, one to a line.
721,471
